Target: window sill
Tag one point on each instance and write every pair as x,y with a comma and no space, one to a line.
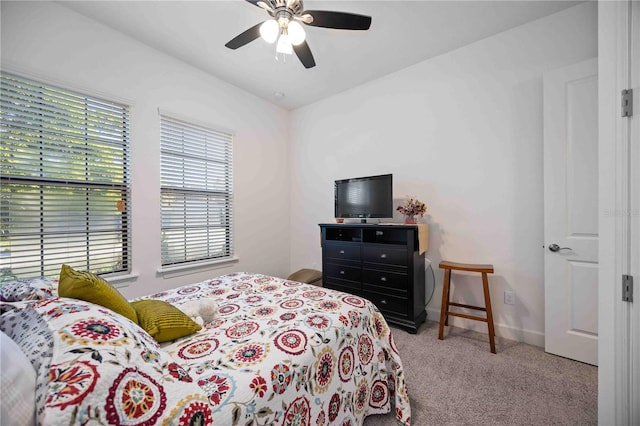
120,280
170,271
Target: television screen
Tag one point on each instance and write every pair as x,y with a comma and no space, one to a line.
363,197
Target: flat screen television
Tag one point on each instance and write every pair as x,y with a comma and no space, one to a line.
364,197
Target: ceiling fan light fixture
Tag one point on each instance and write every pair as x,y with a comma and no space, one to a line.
296,33
269,30
284,44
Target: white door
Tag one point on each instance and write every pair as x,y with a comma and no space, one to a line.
571,211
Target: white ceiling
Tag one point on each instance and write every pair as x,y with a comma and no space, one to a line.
402,33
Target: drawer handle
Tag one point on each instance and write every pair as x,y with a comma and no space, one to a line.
341,251
341,272
379,233
383,302
383,256
383,279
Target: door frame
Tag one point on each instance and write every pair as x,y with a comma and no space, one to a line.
619,186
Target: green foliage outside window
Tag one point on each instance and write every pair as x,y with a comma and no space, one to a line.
64,181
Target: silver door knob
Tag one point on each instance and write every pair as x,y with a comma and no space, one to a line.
554,248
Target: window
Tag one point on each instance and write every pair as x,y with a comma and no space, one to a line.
64,175
196,191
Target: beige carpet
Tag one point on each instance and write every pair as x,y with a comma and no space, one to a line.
457,381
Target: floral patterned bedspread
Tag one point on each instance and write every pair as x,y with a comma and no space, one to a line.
283,352
278,352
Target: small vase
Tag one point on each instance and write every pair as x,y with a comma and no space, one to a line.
410,220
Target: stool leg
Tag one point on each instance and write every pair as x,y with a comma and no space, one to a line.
444,310
487,302
446,318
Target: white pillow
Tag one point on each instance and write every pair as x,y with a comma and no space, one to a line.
17,385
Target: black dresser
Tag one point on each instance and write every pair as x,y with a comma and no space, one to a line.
381,263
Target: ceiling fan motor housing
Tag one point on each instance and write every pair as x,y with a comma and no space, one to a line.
294,6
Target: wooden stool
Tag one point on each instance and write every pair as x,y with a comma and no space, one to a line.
445,312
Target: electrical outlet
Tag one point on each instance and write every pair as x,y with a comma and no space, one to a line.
509,297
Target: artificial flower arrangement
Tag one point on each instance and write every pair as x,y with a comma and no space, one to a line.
412,208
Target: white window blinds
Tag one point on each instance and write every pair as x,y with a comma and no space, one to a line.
196,192
64,170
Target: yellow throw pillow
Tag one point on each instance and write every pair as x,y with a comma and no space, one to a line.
163,321
91,288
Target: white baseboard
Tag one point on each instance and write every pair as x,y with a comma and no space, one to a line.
530,337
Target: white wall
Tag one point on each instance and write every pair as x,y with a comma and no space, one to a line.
52,43
463,132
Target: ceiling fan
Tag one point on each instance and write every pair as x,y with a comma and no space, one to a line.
285,30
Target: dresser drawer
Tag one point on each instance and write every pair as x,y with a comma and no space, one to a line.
385,282
344,286
397,306
386,236
349,252
342,272
385,255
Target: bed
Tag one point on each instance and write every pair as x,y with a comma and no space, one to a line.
277,352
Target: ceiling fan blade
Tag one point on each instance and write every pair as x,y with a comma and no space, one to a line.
304,54
255,2
338,20
246,37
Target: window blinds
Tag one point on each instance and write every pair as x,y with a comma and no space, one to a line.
64,170
196,192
